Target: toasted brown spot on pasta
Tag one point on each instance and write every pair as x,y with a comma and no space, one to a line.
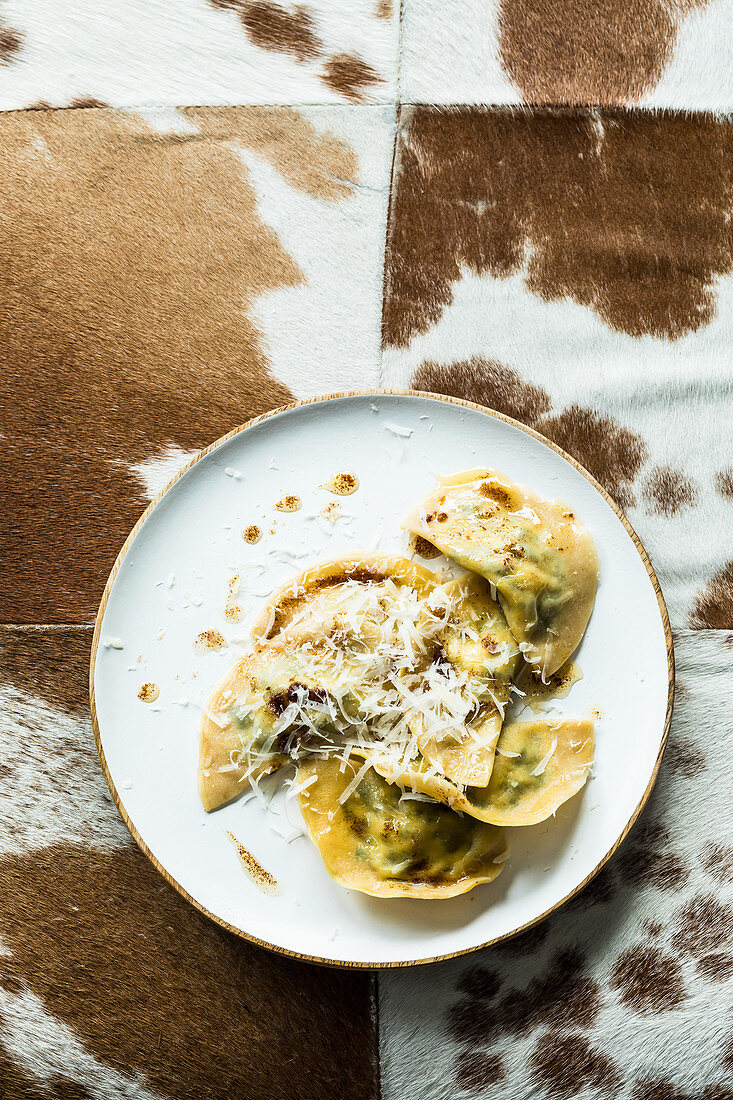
102,937
349,75
667,491
423,548
503,192
476,1071
10,44
486,382
703,925
274,27
612,453
724,482
648,980
566,1064
718,860
562,51
713,606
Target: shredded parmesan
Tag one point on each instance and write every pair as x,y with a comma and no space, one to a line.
365,672
398,429
540,769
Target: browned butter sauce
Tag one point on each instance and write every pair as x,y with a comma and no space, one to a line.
253,868
288,503
557,687
342,484
209,639
252,534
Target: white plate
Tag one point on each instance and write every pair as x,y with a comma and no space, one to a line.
192,535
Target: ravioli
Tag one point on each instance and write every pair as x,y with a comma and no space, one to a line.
240,738
374,843
539,557
477,643
316,602
538,766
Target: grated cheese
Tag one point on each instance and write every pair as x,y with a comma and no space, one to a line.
398,429
540,769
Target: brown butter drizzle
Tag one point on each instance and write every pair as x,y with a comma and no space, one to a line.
266,882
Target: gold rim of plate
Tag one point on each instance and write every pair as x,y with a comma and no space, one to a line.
377,392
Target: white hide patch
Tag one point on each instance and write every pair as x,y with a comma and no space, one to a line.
426,1012
155,472
45,1049
675,394
144,53
457,59
53,788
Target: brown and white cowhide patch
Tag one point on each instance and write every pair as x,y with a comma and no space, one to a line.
164,279
111,985
656,53
575,270
198,51
607,998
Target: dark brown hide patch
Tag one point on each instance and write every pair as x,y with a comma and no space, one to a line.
685,758
724,482
51,663
349,75
610,452
646,859
667,491
273,27
717,966
624,213
718,860
713,606
648,980
485,382
102,937
10,45
476,1071
563,996
132,262
565,51
566,1064
705,924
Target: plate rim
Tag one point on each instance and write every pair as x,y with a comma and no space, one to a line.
377,391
